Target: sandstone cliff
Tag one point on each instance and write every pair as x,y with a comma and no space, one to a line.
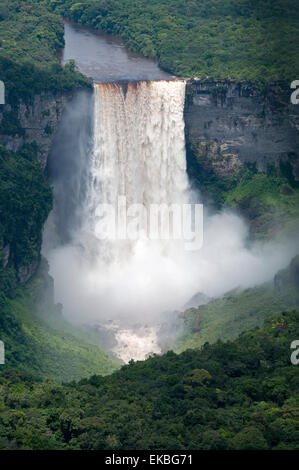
38,122
34,122
229,123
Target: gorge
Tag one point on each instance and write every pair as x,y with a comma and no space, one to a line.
119,332
156,139
127,139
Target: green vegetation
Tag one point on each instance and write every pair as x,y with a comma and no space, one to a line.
25,202
240,310
225,39
39,341
30,37
268,200
235,395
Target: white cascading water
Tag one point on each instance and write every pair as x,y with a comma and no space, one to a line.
139,152
139,142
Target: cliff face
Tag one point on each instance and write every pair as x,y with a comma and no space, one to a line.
38,123
228,124
27,123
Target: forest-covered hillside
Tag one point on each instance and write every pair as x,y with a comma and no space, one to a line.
251,40
235,395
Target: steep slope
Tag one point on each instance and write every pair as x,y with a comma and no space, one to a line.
240,310
40,341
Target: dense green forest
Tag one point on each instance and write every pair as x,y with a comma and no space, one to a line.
251,40
235,395
30,37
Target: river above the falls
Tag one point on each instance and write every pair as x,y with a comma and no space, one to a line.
105,58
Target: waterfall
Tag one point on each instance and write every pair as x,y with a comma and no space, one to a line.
138,150
139,142
137,153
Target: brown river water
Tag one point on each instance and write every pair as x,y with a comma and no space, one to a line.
105,58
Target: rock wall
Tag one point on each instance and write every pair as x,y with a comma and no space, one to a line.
39,121
229,123
36,122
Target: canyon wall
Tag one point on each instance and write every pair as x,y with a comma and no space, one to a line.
34,122
38,122
229,123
